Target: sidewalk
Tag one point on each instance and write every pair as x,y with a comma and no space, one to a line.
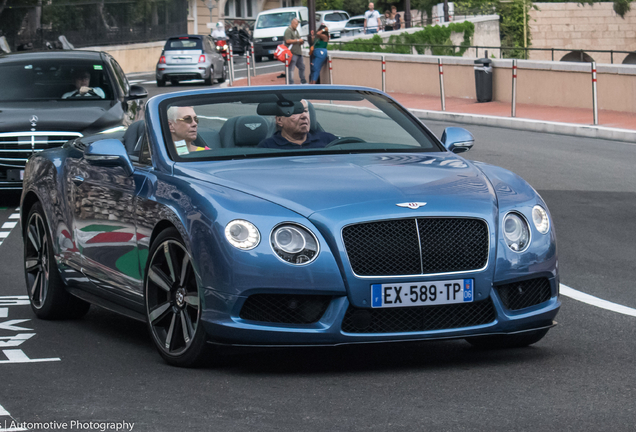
568,121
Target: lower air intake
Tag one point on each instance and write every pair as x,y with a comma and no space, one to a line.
524,294
285,308
416,319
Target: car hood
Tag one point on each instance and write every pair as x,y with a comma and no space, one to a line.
365,184
59,116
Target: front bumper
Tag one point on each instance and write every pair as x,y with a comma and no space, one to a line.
183,72
262,49
223,323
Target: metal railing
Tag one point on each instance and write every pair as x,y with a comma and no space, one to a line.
440,49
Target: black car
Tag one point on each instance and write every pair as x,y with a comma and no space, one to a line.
48,98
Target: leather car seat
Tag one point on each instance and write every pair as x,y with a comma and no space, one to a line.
244,131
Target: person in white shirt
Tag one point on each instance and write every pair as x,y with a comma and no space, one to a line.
219,31
82,80
371,20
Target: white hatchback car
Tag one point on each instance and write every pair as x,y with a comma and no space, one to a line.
335,21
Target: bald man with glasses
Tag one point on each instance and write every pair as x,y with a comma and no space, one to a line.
183,123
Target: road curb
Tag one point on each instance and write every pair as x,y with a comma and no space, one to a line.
573,129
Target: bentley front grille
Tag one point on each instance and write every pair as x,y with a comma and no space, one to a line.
417,246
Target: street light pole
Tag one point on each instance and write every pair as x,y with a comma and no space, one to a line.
311,6
407,13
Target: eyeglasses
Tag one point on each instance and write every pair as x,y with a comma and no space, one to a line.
188,119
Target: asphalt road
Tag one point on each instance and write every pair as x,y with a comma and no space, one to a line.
581,377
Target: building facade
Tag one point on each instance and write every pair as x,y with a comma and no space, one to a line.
204,14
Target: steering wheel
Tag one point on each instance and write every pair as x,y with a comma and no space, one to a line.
90,92
345,140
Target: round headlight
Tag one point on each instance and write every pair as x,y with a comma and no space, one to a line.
242,234
540,219
516,232
294,244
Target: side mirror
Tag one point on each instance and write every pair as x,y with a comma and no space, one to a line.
136,92
457,140
109,153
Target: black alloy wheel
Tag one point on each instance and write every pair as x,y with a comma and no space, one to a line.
210,78
47,293
173,310
223,74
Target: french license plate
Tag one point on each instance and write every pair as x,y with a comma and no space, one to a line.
181,60
271,51
422,293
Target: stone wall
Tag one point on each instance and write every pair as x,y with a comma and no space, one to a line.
574,26
560,84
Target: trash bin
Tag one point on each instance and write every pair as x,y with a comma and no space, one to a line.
483,79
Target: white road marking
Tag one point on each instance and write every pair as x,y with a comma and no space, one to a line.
595,301
9,225
4,422
18,356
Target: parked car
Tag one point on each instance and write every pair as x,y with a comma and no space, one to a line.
188,57
270,26
335,21
354,26
384,234
50,97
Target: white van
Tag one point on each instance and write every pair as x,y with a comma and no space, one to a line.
270,28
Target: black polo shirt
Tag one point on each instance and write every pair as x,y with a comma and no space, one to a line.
314,139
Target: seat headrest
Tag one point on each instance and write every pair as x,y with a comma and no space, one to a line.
313,122
249,130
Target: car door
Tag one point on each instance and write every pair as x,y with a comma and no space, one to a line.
104,226
134,107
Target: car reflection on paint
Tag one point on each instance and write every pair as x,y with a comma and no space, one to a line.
384,234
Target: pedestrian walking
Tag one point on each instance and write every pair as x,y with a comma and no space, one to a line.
318,53
371,20
295,44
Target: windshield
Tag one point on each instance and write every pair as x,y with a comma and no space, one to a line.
285,122
282,19
49,79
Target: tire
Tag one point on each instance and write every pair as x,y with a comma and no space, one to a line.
508,341
223,74
161,83
174,82
173,310
209,79
47,292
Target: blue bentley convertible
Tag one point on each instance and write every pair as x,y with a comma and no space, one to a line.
288,216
